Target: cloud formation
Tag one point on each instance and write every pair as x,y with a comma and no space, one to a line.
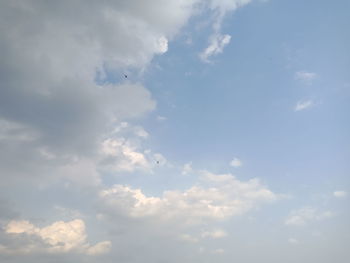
60,237
216,46
217,197
217,41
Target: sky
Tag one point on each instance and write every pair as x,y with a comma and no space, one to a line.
174,131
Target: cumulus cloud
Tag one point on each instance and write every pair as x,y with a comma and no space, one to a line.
122,156
60,237
126,153
303,104
66,110
217,198
305,215
61,77
56,97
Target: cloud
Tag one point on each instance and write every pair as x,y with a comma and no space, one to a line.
293,241
217,233
57,98
121,155
236,162
217,40
305,76
161,118
303,104
340,194
305,215
187,169
6,210
217,198
216,46
60,237
188,238
62,87
124,152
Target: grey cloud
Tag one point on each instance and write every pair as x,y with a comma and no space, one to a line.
53,112
6,210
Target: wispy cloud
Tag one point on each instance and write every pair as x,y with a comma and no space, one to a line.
161,118
305,215
216,46
305,76
187,169
303,104
218,41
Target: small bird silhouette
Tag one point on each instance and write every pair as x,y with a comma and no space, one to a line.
125,76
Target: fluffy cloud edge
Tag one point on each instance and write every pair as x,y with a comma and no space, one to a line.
58,238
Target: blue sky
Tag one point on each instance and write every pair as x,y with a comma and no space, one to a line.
227,141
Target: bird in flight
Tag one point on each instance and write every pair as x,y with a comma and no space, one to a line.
125,76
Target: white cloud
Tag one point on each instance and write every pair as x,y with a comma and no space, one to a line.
121,155
60,237
187,169
100,248
305,215
216,46
217,233
139,131
236,162
66,60
340,194
305,76
303,104
218,197
161,118
218,41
